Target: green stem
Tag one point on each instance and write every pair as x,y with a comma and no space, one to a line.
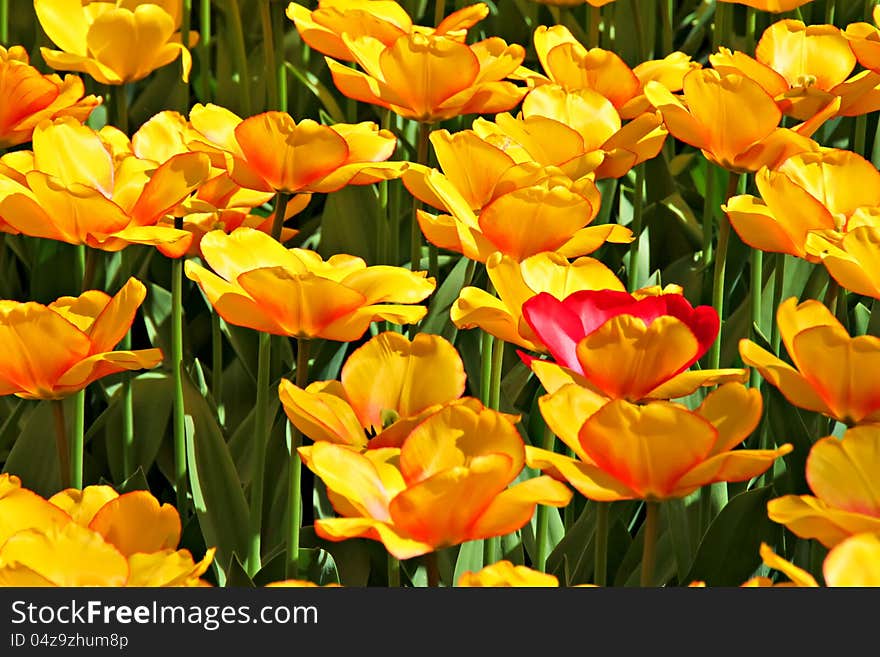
203,49
4,22
495,379
542,529
778,291
269,53
600,570
281,199
718,34
179,412
638,204
79,432
185,21
89,268
830,6
415,231
666,15
751,26
708,214
641,41
649,550
718,275
261,437
294,514
757,287
492,550
64,465
120,106
281,23
439,11
611,26
486,343
432,569
217,366
239,54
594,20
127,414
860,134
393,571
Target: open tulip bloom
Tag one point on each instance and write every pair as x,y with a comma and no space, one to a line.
262,285
117,41
418,377
448,483
846,495
654,451
495,204
806,85
85,187
384,20
53,351
708,116
92,537
624,346
832,372
29,97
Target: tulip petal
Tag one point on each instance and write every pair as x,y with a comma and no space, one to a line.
167,568
590,481
476,307
116,317
22,509
170,184
589,239
734,411
231,302
514,507
136,522
82,505
854,562
624,358
398,545
64,22
649,448
321,416
100,365
738,465
69,555
841,472
486,163
303,152
565,412
810,517
687,382
386,284
415,376
783,376
39,346
798,576
353,325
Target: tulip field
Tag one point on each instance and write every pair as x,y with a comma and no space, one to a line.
366,293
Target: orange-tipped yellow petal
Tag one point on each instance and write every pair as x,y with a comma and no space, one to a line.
82,505
320,415
854,562
810,517
136,522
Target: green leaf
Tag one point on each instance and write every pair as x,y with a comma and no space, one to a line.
437,320
470,559
151,408
729,551
34,456
217,495
350,222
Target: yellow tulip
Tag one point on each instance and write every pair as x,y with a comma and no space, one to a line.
845,498
654,451
495,204
85,187
53,351
384,20
418,377
568,64
504,573
92,537
429,77
262,285
30,97
448,483
709,117
832,371
115,41
822,192
579,131
807,85
517,282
